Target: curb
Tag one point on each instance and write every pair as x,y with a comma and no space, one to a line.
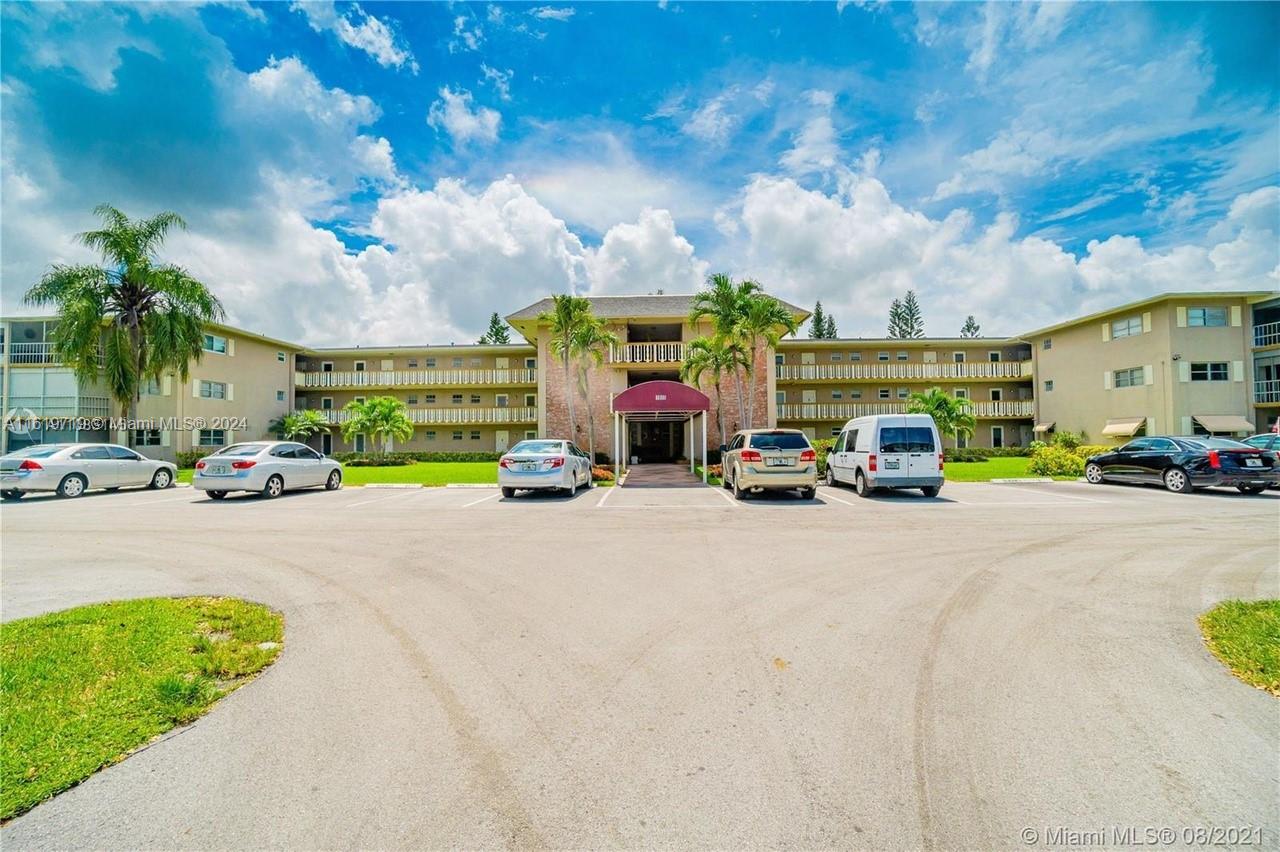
389,485
1023,479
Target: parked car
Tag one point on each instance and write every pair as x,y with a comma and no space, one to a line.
72,469
268,467
1265,441
1181,464
888,451
757,460
544,464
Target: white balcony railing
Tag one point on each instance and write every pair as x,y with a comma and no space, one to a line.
459,416
61,406
1267,334
904,371
1266,390
34,353
647,353
414,378
849,410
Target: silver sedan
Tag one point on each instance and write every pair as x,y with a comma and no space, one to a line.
69,470
268,467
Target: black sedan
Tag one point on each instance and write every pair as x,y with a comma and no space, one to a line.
1181,464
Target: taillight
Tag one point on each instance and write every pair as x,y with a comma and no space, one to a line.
751,455
556,462
871,462
504,462
1214,461
809,455
199,465
242,465
941,461
28,464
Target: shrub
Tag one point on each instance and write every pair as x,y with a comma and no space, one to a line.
1067,440
380,460
418,456
1055,461
1086,450
1009,452
1037,445
966,454
188,458
600,474
822,447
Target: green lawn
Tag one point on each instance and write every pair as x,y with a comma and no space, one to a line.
1012,467
82,688
1245,636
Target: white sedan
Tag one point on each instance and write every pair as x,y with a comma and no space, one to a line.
69,470
543,464
268,467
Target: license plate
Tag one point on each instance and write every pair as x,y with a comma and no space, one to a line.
218,470
1253,462
778,463
891,464
529,466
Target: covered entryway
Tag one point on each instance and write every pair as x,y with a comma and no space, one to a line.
660,424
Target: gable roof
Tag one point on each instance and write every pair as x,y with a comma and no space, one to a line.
623,307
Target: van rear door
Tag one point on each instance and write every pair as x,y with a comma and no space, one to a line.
922,451
893,460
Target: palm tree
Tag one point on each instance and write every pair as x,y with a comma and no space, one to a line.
951,414
766,319
716,355
726,303
566,317
132,319
382,418
300,425
592,339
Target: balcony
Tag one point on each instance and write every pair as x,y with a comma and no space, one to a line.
1267,334
1266,392
34,354
849,410
647,353
61,406
414,378
454,416
906,372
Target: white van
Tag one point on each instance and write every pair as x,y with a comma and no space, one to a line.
888,451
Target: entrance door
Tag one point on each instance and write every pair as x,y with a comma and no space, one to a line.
326,444
501,441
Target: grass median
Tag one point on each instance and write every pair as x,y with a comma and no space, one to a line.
419,473
82,688
1245,636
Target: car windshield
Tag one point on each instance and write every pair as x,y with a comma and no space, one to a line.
780,441
1216,443
538,448
906,439
39,451
241,450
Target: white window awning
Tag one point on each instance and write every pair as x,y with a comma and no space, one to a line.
1123,427
1043,427
1223,422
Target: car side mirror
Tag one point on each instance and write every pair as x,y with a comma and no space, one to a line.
724,448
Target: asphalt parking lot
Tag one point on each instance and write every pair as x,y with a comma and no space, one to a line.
641,667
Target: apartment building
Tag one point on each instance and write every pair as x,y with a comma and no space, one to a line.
1174,363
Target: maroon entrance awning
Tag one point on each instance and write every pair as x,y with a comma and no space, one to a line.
661,396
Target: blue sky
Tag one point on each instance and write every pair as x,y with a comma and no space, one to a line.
394,172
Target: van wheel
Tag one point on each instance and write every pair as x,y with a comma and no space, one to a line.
1177,481
831,477
930,490
860,485
508,492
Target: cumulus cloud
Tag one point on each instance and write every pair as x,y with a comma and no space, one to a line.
357,28
641,257
815,148
455,114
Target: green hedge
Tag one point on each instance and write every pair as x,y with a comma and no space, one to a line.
187,460
360,459
981,454
1056,461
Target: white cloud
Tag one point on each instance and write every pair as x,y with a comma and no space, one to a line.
712,122
357,28
551,13
815,148
454,114
642,257
500,80
466,34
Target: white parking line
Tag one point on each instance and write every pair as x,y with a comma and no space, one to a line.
1043,493
827,496
605,495
717,489
189,496
481,500
405,493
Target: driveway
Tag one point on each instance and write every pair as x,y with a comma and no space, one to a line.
668,667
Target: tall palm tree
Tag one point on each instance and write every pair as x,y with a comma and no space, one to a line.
950,414
381,418
300,425
132,319
765,320
591,341
725,304
716,355
566,317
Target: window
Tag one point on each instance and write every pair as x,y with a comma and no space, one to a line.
326,366
530,435
457,362
457,434
902,356
413,363
358,399
836,356
855,394
1211,371
779,441
780,397
279,396
779,359
835,431
456,399
475,399
500,400
476,362
997,394
1206,317
212,438
215,343
993,357
961,393
91,453
359,366
429,399
1129,378
855,356
882,356
531,363
475,434
1047,344
150,388
906,439
835,394
1126,327
902,393
957,357
431,434
326,403
429,363
1048,385
146,438
884,393
280,357
412,400
213,390
530,400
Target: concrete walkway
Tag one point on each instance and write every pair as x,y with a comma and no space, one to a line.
661,476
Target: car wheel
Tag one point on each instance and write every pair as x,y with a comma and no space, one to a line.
216,495
162,478
1093,473
738,493
274,487
930,490
1176,480
11,495
808,493
508,492
72,485
334,482
860,485
1251,489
